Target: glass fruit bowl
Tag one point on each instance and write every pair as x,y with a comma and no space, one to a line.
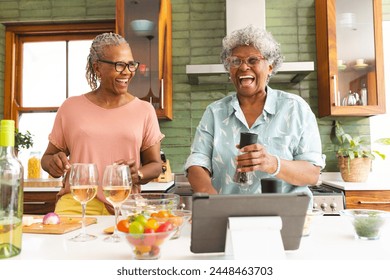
147,244
367,223
146,235
148,203
310,217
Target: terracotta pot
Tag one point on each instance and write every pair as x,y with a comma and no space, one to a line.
354,170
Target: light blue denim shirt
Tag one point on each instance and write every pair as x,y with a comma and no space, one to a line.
287,128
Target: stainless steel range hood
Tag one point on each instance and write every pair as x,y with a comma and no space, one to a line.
290,72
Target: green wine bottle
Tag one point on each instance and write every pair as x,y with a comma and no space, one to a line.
11,193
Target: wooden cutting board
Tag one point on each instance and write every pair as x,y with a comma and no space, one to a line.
67,224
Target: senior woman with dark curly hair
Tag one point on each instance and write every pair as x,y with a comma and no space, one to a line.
288,145
106,125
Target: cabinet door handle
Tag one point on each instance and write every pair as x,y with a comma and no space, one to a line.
336,97
162,94
373,202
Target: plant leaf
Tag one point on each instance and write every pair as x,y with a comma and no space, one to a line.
382,156
383,141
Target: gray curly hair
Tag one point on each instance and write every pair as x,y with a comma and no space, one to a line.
96,52
260,39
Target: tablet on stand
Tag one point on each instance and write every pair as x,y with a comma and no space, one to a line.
256,226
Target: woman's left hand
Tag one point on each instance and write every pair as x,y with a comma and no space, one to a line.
136,186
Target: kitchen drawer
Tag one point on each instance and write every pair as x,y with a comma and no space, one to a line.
379,200
39,202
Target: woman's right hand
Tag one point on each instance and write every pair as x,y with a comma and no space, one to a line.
54,161
58,165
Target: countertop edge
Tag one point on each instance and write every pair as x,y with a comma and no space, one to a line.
375,182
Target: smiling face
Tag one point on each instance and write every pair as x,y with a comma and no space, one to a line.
249,80
111,80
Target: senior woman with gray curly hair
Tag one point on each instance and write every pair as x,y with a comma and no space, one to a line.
288,145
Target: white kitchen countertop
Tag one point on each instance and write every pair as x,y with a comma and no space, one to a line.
41,189
332,238
157,187
375,181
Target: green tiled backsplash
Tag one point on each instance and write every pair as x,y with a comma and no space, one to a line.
198,28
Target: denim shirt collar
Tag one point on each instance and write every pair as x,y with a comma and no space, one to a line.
269,106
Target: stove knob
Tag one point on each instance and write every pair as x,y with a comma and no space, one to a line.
333,206
315,205
323,206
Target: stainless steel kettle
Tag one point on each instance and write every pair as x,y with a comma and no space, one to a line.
350,100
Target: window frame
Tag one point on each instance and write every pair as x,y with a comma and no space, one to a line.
17,34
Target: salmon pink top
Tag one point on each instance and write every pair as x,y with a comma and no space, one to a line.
93,134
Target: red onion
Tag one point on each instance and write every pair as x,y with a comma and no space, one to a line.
51,219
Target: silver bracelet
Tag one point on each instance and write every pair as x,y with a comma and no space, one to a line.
277,168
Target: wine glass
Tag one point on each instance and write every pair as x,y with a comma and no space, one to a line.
116,188
83,180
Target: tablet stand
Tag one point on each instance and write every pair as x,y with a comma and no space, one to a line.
254,238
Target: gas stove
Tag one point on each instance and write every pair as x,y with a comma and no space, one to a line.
329,199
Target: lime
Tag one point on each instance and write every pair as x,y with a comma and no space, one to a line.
141,219
136,227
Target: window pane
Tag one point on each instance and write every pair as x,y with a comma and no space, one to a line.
78,53
44,74
39,125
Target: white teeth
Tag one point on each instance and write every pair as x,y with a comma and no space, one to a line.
246,77
122,80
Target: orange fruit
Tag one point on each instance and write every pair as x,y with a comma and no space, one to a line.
152,224
142,249
176,220
154,215
163,214
123,225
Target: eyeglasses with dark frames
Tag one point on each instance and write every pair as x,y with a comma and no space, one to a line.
235,62
121,66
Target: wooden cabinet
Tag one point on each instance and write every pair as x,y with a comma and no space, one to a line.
147,26
349,50
379,200
38,202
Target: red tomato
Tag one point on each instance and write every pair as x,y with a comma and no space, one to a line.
167,226
149,230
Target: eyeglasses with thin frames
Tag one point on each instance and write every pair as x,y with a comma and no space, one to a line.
235,62
121,66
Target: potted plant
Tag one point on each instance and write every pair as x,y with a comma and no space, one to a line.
354,154
23,140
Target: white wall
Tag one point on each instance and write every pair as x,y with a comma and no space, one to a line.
380,125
